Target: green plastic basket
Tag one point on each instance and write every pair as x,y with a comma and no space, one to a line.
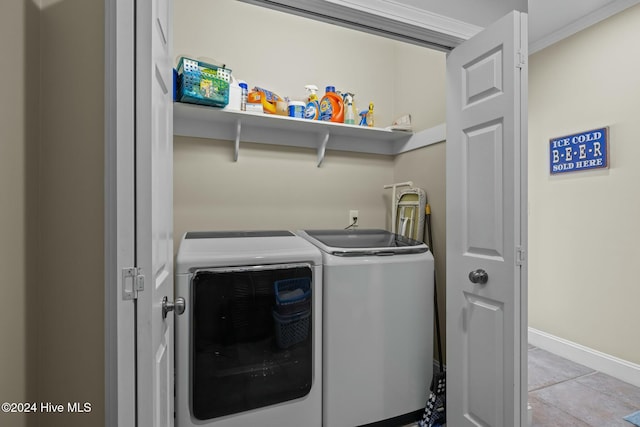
199,83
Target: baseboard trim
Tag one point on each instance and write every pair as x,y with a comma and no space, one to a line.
618,368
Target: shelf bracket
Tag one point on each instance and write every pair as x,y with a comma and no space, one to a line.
322,146
237,148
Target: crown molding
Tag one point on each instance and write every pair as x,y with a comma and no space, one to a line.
413,16
584,22
387,18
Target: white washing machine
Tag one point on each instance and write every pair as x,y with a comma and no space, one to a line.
378,326
249,344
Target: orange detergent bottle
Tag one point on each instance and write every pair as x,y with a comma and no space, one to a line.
332,106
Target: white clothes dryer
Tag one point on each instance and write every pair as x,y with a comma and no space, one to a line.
377,326
248,345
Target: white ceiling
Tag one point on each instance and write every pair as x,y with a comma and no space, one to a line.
553,20
548,16
549,20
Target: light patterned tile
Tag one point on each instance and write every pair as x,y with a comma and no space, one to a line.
584,403
546,415
613,387
546,369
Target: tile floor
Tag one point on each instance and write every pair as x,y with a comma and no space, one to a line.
564,393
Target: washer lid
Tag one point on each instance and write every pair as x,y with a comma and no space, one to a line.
227,234
205,249
354,242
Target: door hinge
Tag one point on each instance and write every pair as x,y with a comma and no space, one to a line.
132,283
520,255
520,60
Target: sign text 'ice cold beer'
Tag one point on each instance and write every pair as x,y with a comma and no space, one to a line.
581,151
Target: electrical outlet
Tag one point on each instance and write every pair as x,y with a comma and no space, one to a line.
353,217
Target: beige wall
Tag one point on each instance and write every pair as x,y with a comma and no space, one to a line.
283,53
426,168
70,312
283,184
51,220
280,187
583,236
274,187
19,132
420,85
51,171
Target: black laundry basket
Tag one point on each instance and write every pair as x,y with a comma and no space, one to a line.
291,329
292,311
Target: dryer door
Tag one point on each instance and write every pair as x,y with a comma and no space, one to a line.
251,341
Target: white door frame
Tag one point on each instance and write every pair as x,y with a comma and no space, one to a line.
154,213
120,399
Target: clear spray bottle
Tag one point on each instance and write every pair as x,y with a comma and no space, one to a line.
349,113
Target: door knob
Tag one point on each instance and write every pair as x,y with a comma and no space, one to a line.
479,276
177,306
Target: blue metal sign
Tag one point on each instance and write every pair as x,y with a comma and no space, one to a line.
580,151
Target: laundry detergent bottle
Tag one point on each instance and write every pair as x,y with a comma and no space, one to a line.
312,110
332,106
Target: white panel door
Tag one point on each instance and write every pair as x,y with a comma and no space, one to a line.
154,211
486,227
